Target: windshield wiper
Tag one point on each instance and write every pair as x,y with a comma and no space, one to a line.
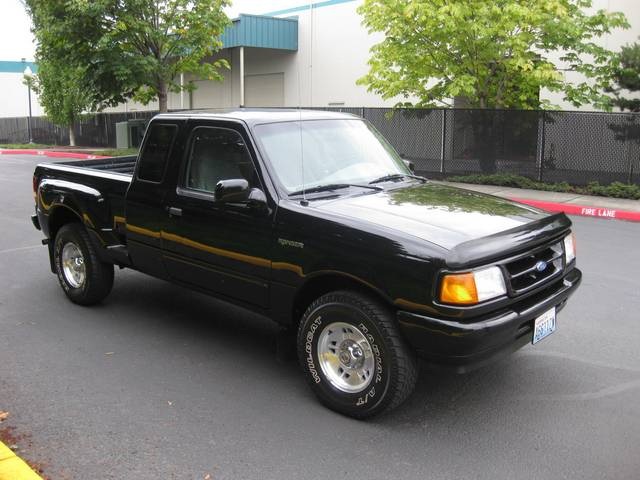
396,176
332,186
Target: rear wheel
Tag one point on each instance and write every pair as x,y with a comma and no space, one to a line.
83,277
353,355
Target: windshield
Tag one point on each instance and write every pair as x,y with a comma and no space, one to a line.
331,151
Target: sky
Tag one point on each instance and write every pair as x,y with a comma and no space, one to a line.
16,40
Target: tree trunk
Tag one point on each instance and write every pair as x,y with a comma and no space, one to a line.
484,132
72,136
162,96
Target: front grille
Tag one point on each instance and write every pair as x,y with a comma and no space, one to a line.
534,268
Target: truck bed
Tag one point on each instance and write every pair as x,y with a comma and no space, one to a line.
96,186
124,165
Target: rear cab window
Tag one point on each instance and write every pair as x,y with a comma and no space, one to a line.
155,152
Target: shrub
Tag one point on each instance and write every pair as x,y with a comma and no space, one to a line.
616,189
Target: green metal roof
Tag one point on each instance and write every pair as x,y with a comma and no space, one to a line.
16,67
262,32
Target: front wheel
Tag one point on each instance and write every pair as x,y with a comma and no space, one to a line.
83,277
353,355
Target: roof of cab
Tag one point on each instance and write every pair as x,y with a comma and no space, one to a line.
255,116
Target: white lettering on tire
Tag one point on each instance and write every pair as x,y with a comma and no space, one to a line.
308,348
376,351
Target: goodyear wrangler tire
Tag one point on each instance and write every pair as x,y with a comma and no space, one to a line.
83,277
353,356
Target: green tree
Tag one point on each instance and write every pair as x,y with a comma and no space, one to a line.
492,53
627,128
132,48
61,94
627,77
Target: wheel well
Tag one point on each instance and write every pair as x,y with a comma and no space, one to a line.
60,217
318,286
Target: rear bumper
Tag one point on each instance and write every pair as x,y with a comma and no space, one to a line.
465,346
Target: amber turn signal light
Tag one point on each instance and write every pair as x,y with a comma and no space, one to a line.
459,288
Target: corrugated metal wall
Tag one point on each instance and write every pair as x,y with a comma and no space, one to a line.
262,32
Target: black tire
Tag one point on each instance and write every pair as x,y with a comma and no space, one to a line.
395,367
98,277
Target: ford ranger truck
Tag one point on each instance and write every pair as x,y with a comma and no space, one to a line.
313,220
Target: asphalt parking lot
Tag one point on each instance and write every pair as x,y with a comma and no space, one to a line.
163,383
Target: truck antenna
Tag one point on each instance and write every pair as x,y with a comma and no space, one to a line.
304,202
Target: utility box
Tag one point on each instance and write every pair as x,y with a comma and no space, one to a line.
129,134
122,135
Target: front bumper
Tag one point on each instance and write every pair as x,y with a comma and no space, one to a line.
465,346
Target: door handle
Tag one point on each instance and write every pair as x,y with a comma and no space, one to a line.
174,211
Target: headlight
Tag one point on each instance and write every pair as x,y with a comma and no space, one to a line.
472,287
569,248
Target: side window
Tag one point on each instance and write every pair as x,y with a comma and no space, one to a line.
156,151
217,154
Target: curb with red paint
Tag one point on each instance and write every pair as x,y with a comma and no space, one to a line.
571,209
52,154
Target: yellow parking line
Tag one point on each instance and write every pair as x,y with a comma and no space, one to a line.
13,467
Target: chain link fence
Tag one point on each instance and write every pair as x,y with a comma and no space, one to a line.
550,146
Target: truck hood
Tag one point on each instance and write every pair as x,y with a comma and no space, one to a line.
443,215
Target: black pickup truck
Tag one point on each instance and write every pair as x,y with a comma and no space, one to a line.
314,220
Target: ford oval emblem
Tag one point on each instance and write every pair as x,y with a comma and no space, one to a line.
541,266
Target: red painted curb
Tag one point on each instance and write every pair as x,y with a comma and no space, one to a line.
52,154
585,211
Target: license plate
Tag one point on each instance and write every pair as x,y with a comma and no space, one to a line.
544,325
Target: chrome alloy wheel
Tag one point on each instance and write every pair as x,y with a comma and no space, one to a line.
345,357
73,266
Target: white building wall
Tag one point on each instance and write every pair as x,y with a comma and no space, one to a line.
14,97
338,47
333,50
612,41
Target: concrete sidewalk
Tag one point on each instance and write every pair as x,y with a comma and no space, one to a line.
570,203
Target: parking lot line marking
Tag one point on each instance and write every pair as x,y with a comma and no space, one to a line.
13,467
5,452
18,249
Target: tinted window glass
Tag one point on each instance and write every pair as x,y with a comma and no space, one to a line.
156,151
218,154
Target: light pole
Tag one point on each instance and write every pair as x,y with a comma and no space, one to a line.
28,75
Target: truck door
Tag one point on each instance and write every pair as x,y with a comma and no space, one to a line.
217,246
144,211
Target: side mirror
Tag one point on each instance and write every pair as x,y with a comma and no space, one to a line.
235,190
409,164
